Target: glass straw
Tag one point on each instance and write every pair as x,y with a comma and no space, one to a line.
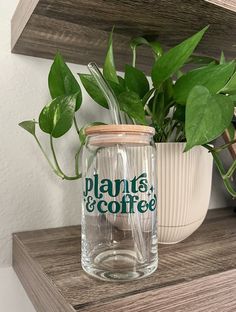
107,92
117,119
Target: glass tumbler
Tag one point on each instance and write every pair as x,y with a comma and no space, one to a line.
119,234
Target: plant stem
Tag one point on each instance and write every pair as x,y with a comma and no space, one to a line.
221,170
63,176
134,57
147,109
230,171
222,147
145,100
76,126
147,96
45,155
77,160
154,103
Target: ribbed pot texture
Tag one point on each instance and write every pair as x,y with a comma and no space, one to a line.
184,187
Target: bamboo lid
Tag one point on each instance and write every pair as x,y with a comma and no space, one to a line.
128,129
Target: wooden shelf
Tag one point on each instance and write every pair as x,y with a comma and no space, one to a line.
195,275
80,28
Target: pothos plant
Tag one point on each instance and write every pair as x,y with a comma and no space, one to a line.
195,105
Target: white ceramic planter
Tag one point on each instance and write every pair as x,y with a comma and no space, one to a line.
184,187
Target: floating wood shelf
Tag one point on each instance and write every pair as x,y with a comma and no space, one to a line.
195,275
80,28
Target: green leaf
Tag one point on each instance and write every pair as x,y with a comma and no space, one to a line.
213,77
168,90
147,96
61,81
121,82
201,60
233,98
131,103
109,70
231,131
179,113
170,62
93,90
156,48
158,107
154,45
117,88
207,116
135,80
28,125
230,86
56,118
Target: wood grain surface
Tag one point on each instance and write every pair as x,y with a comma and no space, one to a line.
195,275
227,4
80,28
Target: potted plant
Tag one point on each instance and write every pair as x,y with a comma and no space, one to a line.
187,108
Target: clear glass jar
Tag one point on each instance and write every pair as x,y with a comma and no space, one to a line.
119,234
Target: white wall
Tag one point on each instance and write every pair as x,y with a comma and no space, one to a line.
31,196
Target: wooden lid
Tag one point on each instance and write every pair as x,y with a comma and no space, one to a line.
102,129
